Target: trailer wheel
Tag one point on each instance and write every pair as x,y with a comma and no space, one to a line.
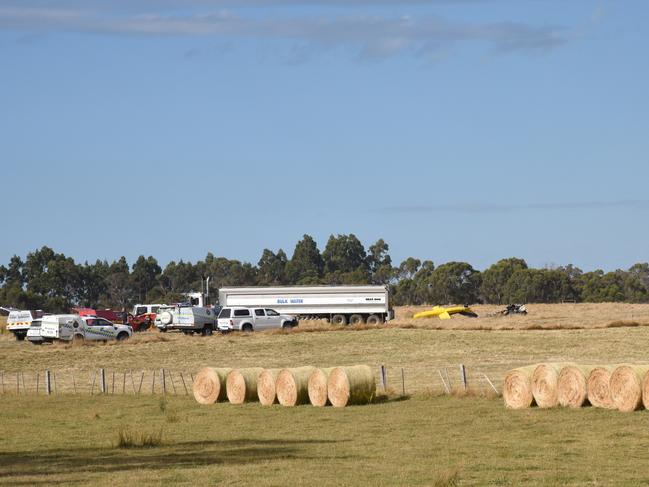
374,320
356,319
339,319
20,337
207,330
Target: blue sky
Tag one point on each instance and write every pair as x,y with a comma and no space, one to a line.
456,130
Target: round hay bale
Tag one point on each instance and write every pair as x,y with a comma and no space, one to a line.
266,386
209,385
351,385
293,386
572,387
544,384
626,387
517,389
241,385
318,386
599,392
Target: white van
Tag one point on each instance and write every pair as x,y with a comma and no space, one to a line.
69,327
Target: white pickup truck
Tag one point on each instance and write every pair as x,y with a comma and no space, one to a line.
250,319
75,327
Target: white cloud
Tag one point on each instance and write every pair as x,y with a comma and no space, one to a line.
372,36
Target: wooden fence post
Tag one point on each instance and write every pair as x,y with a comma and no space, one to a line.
164,382
403,382
102,381
463,375
153,383
184,385
384,378
48,382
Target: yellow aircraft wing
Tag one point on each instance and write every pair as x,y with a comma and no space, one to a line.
445,313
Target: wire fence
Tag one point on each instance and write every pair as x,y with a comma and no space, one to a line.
96,381
389,379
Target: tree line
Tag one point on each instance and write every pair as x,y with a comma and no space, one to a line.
54,282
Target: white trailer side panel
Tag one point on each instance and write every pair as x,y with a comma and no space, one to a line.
316,300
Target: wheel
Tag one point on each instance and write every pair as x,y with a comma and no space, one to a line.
356,319
162,330
78,338
339,319
20,337
206,331
287,325
122,336
37,343
166,318
246,328
374,320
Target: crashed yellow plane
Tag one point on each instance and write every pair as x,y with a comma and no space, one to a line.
445,313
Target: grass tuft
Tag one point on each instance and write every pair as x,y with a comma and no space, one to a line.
138,439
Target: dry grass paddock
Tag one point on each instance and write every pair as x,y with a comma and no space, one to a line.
550,333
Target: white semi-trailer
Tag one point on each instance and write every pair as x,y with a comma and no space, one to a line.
338,304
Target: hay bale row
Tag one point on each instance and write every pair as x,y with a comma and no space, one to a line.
339,386
622,387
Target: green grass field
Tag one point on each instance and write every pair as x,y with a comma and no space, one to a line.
438,441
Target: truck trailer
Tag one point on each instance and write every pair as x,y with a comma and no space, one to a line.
338,304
